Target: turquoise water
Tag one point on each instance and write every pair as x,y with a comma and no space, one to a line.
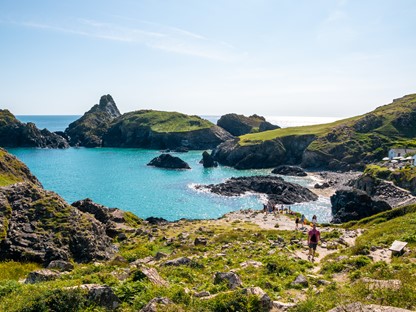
120,178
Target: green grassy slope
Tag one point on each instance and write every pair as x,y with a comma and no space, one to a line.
12,170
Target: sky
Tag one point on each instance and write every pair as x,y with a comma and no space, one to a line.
270,57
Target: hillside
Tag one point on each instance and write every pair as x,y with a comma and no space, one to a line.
342,145
159,129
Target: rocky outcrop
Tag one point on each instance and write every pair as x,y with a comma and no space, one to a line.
348,205
102,295
169,162
207,160
42,275
290,171
277,190
267,154
14,133
239,124
232,279
39,226
90,128
112,218
163,130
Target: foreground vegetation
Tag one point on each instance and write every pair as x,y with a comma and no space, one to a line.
263,258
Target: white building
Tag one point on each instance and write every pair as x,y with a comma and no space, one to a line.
400,152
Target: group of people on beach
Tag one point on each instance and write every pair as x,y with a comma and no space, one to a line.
273,208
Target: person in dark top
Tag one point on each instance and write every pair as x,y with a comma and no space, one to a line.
314,237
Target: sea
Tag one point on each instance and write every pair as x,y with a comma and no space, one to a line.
120,177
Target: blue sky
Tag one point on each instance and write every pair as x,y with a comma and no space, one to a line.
270,57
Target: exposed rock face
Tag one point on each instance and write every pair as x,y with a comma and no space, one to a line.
89,129
208,161
239,124
169,162
278,190
290,171
287,150
354,204
232,278
39,226
163,130
14,133
112,218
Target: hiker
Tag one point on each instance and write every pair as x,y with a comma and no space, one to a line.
264,208
314,237
314,219
302,221
297,222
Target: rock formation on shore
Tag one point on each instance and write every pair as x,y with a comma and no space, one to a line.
14,133
290,171
239,124
207,161
277,190
88,130
169,162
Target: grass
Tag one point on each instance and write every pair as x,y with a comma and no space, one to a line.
160,121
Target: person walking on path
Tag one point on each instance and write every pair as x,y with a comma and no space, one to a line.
314,219
302,221
314,236
297,223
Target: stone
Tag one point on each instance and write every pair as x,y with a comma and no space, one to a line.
265,301
202,294
207,160
102,295
60,265
42,275
290,171
252,263
232,278
283,306
178,262
154,276
200,241
160,255
156,220
300,280
393,284
168,161
152,305
358,306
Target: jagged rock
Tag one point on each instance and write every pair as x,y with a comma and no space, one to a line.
43,275
35,220
232,278
278,190
200,241
154,276
265,301
178,262
60,265
239,124
119,260
358,306
207,160
153,304
321,185
14,133
10,166
102,295
156,220
169,162
283,306
160,255
164,130
290,171
354,204
112,218
300,280
89,129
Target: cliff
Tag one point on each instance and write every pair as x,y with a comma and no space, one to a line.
239,124
89,129
342,145
14,133
161,130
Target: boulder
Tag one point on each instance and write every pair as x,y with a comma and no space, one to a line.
157,304
202,294
14,133
200,241
348,205
43,275
207,160
290,171
102,295
156,220
239,124
265,301
60,265
278,190
154,276
169,162
300,280
232,278
178,262
89,129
